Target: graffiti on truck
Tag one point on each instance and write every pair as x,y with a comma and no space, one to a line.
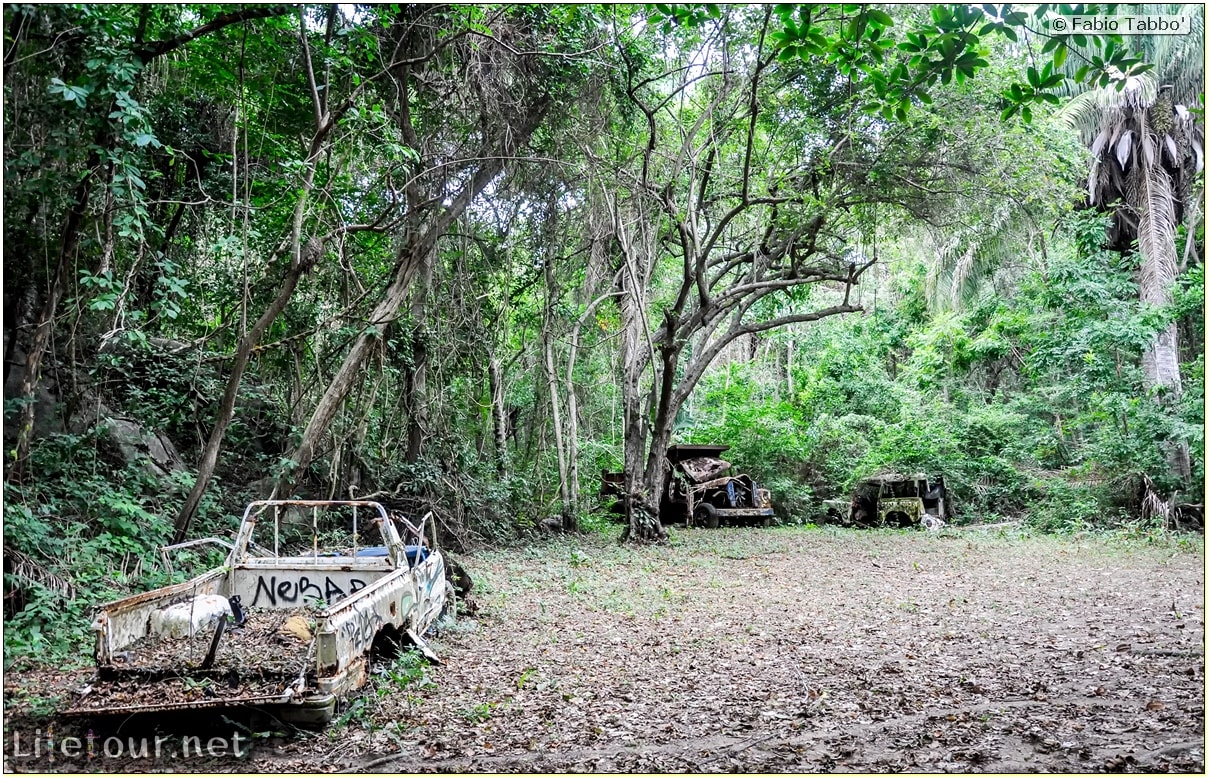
361,628
288,589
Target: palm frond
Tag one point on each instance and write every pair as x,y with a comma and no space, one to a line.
26,570
1088,113
966,259
1179,59
1150,190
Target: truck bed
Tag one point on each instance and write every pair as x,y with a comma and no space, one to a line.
257,662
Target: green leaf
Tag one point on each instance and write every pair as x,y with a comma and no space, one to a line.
1060,55
880,17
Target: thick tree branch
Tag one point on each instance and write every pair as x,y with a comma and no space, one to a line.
754,106
148,53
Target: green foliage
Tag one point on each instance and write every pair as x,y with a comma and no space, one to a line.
1067,508
1031,404
899,65
91,534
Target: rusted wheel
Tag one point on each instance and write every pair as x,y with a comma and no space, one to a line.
706,515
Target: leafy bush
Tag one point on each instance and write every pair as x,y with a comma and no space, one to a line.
80,535
1066,507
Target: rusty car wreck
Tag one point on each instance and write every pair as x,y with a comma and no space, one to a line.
900,500
700,489
287,623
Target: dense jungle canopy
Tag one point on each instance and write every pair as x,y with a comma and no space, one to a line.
464,258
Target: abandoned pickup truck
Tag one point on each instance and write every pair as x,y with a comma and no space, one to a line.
286,624
699,488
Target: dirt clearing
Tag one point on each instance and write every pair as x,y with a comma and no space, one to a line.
791,650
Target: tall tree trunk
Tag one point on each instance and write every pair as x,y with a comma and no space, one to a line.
302,264
417,377
499,417
641,506
409,261
550,233
789,368
567,512
573,401
417,398
1152,193
46,320
1161,366
665,411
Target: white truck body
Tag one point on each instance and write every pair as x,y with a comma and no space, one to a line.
343,602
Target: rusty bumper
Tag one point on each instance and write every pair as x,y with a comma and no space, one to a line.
314,709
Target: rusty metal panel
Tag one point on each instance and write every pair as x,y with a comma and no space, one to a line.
349,627
743,513
702,469
911,507
350,678
121,622
83,709
431,592
714,484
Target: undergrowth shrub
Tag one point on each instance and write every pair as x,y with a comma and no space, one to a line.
1064,507
82,533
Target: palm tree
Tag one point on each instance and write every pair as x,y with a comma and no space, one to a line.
1147,149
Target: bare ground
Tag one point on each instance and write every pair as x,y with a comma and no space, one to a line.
783,650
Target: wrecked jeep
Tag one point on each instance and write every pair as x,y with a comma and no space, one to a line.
287,622
900,500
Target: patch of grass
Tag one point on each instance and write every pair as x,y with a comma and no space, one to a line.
409,669
528,677
359,712
480,713
31,705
